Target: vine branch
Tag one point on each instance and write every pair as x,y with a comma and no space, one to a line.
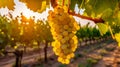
96,20
54,3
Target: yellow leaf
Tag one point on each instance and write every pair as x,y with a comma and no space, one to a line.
117,37
103,28
119,44
36,5
23,0
7,3
43,6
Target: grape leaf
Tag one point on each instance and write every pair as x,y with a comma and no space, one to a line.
117,37
103,28
107,14
118,16
43,6
60,2
99,6
37,5
66,2
103,5
7,3
72,4
80,3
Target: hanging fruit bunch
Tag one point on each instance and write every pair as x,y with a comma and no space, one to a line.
63,28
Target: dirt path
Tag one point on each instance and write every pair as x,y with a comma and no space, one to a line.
111,59
96,51
92,50
26,59
105,59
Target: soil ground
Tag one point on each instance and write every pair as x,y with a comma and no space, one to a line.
100,54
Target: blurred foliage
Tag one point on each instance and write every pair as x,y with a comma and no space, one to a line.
16,34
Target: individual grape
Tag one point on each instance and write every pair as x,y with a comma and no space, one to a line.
65,33
66,27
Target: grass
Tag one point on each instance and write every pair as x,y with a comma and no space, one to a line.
78,56
103,52
90,62
81,65
62,65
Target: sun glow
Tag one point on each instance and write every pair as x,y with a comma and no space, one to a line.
27,14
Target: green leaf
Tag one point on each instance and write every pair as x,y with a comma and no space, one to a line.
66,2
72,5
99,6
118,16
103,28
60,2
107,14
80,3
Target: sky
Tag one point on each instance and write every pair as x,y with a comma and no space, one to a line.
20,7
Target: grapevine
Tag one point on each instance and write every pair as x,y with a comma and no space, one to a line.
63,28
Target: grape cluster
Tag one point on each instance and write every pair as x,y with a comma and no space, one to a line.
63,28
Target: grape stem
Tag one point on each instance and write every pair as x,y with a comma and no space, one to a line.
63,2
111,32
54,3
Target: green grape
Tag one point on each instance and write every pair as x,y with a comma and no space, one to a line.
63,28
